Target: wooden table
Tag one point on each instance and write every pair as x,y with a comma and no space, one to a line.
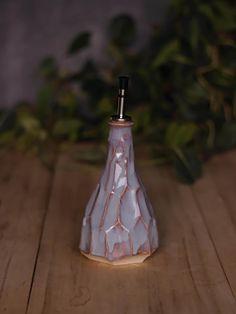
42,271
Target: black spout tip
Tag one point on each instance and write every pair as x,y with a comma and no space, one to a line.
123,82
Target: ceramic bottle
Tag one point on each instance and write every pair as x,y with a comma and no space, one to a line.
119,226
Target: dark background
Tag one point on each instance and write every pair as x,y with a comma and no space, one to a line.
59,63
31,30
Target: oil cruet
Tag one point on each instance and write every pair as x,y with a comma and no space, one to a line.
119,226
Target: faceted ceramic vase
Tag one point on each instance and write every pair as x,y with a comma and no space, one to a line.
119,226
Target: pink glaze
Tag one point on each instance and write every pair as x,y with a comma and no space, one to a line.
119,220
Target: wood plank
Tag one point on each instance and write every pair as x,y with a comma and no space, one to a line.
192,267
215,193
222,170
59,259
184,276
24,191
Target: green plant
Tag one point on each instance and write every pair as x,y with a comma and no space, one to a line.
182,98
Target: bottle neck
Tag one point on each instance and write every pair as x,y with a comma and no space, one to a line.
120,134
120,159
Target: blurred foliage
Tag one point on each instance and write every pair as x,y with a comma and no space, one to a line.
182,96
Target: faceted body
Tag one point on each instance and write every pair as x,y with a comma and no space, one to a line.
119,222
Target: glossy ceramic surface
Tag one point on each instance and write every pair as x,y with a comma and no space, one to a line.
119,220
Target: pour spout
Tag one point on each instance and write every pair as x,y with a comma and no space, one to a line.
122,96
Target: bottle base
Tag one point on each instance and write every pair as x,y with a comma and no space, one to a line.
135,259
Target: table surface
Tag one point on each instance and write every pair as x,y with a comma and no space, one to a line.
42,271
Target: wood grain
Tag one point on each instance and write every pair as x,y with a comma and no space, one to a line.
42,270
191,270
24,191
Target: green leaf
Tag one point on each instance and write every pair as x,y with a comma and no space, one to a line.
46,96
67,129
166,53
31,126
226,137
211,135
179,58
105,106
222,78
81,41
194,33
187,166
67,99
228,53
48,67
224,18
122,30
206,9
178,135
28,122
195,93
141,116
7,137
234,105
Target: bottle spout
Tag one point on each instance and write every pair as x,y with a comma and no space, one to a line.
122,97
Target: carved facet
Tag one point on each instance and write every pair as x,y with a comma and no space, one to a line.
119,222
